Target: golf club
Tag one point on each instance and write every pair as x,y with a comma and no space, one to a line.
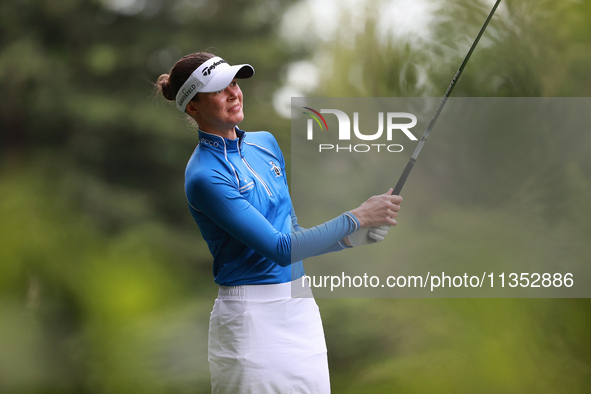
415,155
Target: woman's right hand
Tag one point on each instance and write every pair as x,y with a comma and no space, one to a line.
378,210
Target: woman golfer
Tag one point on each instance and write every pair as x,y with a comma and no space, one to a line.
265,332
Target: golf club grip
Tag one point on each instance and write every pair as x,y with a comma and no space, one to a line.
402,179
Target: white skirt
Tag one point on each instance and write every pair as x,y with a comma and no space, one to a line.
264,340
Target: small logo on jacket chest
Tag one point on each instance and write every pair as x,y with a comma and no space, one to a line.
275,168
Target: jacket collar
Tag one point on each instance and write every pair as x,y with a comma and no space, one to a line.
217,143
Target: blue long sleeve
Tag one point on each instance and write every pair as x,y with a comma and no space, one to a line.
224,205
334,247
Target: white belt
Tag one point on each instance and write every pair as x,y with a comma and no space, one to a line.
295,288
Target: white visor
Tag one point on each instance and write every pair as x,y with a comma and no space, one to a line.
212,76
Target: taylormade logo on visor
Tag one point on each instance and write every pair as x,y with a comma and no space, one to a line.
206,71
398,124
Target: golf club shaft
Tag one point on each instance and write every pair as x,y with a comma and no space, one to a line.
415,155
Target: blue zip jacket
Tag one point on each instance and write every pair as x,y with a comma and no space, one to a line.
238,194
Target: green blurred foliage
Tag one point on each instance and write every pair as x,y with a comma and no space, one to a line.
105,284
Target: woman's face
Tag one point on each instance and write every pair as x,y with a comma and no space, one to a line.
219,112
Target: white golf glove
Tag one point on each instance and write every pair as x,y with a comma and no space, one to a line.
368,235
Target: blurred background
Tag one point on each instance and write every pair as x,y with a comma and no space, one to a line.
105,283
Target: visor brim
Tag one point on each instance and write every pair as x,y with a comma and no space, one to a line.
225,76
